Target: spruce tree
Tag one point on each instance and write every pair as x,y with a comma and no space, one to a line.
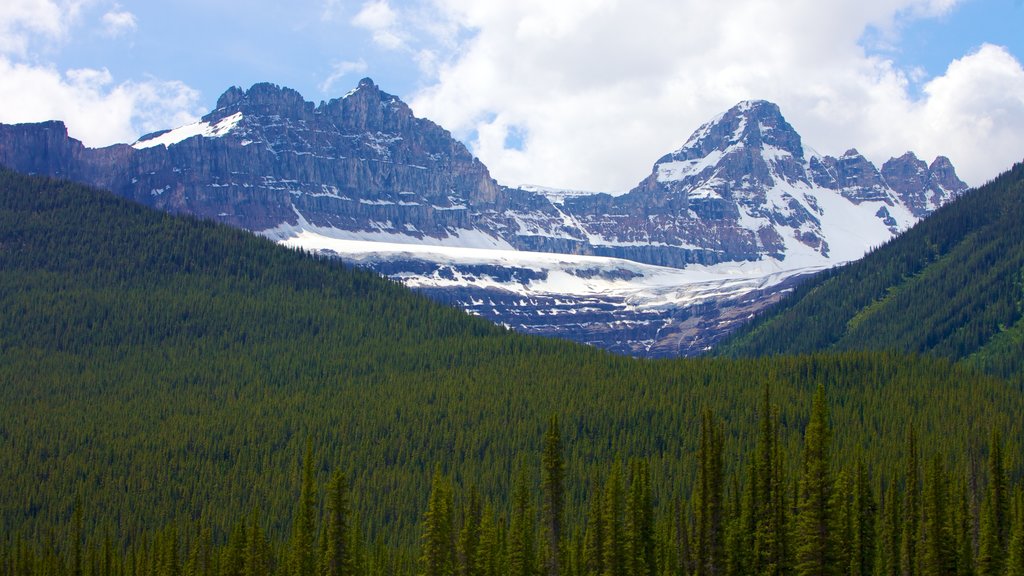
437,544
553,489
766,499
815,552
995,513
469,535
710,507
1015,555
865,510
522,545
593,538
337,555
938,554
257,549
303,545
911,513
614,509
640,522
488,559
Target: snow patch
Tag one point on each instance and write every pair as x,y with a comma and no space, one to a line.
204,129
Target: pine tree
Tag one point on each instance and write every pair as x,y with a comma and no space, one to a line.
553,489
593,539
614,508
437,550
710,510
469,535
640,522
938,550
995,513
964,535
232,561
841,506
865,510
257,549
1015,555
522,545
337,556
911,515
888,557
815,553
488,560
767,496
303,546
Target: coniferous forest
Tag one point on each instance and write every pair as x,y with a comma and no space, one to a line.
177,397
951,286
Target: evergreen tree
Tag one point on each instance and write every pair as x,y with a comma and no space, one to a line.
553,489
767,496
911,516
965,535
938,548
614,509
337,555
437,551
640,522
593,539
489,561
710,509
469,535
865,510
257,549
522,546
303,546
995,513
232,562
1015,555
815,553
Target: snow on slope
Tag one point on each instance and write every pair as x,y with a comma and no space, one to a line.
643,286
183,133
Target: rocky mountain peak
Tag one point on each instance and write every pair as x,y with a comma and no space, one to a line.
922,187
262,99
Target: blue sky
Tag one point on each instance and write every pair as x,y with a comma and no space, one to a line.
575,93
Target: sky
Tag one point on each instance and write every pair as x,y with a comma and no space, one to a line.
578,94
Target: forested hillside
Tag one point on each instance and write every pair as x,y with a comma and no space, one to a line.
166,383
951,286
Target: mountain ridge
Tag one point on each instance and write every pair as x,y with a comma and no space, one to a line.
742,189
950,286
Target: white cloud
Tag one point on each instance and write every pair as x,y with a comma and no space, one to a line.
24,21
118,22
381,20
600,89
341,69
96,110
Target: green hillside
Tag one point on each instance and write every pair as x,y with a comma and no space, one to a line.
950,286
166,374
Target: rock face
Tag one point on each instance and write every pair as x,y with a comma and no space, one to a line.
742,189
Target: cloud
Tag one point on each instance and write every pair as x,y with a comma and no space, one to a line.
96,110
381,20
592,92
118,22
25,21
341,69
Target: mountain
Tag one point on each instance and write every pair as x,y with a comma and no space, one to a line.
950,286
160,372
742,207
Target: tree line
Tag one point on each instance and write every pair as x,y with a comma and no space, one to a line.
825,517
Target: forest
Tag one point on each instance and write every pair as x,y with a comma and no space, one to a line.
951,286
178,397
